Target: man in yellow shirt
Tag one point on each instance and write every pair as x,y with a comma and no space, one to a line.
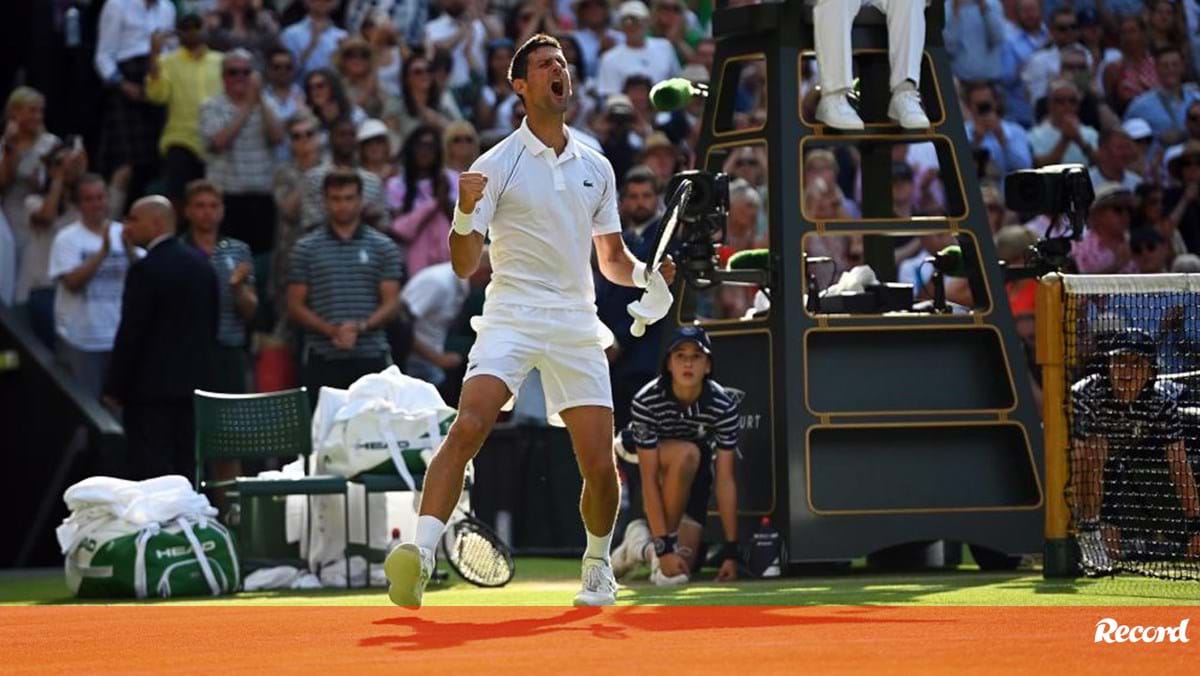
181,81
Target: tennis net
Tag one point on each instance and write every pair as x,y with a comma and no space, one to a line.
1131,367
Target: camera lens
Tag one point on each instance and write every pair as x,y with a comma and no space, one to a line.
984,107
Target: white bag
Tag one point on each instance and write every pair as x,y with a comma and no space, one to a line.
385,422
386,417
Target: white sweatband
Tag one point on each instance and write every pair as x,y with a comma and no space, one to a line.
464,224
639,275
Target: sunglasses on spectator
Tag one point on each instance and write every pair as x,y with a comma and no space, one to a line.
1066,26
307,133
237,72
1065,99
1120,208
358,53
281,65
462,139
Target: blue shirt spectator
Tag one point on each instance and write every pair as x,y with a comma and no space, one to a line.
1165,113
1030,35
975,37
1116,8
1006,142
298,38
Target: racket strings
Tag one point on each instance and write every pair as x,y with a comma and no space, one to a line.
479,559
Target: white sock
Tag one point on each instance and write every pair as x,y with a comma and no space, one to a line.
906,86
429,531
598,545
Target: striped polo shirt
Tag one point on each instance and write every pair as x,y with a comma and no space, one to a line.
229,252
343,277
711,420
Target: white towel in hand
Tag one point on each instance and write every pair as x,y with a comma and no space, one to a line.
654,304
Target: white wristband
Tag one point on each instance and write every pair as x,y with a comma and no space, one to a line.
464,224
640,279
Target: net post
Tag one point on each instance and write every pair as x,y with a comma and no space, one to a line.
1051,356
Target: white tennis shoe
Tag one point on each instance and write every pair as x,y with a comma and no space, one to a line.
599,585
408,568
630,554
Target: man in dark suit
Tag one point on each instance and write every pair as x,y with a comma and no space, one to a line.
164,344
634,360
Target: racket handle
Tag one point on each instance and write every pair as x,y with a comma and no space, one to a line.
638,329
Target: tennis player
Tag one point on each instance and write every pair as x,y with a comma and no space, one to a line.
544,198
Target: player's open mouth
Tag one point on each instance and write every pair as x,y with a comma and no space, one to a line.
557,87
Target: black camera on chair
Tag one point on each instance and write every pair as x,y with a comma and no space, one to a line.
1063,192
1057,189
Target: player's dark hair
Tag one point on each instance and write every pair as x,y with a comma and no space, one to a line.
520,61
340,178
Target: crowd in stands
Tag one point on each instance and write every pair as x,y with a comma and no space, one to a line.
264,99
238,111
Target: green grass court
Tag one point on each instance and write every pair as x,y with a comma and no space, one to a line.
552,582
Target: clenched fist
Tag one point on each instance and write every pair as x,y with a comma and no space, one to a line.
470,190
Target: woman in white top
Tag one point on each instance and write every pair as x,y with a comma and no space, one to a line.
25,143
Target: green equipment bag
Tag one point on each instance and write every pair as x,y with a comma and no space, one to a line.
184,557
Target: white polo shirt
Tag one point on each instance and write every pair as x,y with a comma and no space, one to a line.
541,212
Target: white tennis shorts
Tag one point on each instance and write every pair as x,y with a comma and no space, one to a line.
565,346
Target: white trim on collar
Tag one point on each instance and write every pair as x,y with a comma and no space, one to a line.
536,147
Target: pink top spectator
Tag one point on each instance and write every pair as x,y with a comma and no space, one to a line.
1093,257
424,230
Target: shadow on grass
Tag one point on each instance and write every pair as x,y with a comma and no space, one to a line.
423,633
1122,587
860,587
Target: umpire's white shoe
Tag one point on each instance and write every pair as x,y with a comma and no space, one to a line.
629,555
905,108
835,111
408,569
599,585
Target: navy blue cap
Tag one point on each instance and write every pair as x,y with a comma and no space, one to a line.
690,334
1087,17
1131,341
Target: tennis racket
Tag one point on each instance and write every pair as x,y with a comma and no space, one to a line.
676,205
477,554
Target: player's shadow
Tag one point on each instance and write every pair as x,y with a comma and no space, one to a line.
425,633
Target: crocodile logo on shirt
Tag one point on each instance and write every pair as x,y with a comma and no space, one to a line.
588,184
